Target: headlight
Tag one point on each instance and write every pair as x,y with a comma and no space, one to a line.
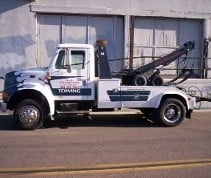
5,96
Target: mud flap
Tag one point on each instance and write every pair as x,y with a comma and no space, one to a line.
188,114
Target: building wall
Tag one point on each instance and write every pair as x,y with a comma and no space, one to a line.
17,36
20,27
191,9
173,8
30,29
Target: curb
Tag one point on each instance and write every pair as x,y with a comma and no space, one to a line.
202,110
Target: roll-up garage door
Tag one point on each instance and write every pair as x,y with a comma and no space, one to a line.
54,29
154,37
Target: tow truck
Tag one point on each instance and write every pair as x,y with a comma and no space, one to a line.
78,80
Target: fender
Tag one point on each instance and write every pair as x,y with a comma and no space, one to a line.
40,87
188,101
46,91
29,79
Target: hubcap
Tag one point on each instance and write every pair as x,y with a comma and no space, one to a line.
29,114
172,113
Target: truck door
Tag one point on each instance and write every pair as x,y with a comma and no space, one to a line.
69,76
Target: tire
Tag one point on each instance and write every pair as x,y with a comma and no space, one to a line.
29,115
139,80
156,81
171,112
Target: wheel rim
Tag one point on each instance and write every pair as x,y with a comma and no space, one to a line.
172,113
29,114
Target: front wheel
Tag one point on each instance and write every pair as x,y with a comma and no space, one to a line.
29,115
171,112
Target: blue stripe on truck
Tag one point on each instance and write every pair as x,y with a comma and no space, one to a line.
128,95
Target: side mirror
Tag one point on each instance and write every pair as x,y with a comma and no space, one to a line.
68,67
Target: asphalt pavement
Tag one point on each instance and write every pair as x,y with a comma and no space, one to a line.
113,146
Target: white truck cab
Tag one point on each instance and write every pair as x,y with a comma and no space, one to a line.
78,80
71,74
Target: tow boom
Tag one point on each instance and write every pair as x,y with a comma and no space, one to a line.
136,77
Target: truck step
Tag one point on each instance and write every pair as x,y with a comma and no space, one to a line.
102,114
99,112
114,113
71,112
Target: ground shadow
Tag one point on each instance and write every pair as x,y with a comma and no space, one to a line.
7,122
64,122
100,121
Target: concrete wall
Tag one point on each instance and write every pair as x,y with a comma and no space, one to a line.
200,88
189,9
173,8
17,36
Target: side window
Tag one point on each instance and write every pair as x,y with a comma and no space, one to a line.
77,59
60,60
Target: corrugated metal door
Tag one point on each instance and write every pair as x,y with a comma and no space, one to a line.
54,29
49,35
160,36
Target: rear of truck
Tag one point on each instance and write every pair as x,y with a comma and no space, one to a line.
166,105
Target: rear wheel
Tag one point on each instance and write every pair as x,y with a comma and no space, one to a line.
171,112
29,115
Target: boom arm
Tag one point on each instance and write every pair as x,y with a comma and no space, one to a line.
166,60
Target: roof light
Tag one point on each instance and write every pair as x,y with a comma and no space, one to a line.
101,42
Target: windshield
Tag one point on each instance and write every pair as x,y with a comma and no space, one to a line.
54,57
60,62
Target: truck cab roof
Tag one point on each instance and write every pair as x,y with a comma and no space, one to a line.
74,45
